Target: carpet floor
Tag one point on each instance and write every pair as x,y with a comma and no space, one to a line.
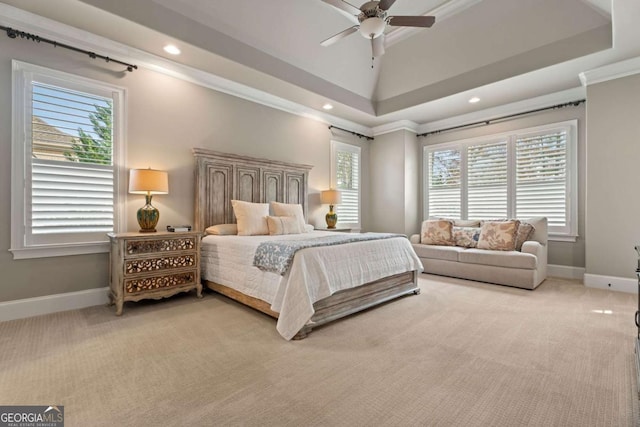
460,353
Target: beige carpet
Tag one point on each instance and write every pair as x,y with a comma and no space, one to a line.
460,353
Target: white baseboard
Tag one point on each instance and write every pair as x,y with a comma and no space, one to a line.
565,271
29,307
612,283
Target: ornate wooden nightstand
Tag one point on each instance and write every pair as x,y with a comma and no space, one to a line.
153,265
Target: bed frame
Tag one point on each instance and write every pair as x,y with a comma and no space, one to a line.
222,177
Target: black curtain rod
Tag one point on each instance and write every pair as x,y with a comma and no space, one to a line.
359,135
510,116
13,33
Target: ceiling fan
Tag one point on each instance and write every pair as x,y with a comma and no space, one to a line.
372,19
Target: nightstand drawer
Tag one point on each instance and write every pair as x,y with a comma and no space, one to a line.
165,281
159,263
167,244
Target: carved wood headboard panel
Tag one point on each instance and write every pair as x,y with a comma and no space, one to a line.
222,177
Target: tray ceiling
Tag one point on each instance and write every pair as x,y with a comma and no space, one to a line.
501,49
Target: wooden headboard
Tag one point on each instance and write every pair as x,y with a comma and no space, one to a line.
222,177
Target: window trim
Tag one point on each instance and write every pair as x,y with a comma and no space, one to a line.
22,75
572,166
343,146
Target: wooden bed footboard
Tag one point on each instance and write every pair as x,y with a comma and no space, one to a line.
340,304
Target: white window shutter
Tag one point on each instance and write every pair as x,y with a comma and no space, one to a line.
487,181
541,178
444,183
346,159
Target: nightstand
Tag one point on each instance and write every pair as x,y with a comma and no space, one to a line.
341,229
153,265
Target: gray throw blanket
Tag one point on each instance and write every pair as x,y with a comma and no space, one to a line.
276,256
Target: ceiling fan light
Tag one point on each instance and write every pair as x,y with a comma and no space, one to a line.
372,27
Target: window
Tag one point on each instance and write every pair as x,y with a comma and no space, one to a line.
66,136
345,176
526,173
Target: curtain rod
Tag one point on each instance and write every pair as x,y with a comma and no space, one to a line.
359,135
13,33
486,122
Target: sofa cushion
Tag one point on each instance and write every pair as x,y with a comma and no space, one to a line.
498,235
446,253
509,259
467,237
436,232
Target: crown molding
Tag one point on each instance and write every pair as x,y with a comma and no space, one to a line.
26,21
503,110
613,71
442,12
396,126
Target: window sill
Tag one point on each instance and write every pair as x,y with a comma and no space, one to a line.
562,238
47,251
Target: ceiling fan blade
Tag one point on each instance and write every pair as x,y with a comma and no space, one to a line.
342,34
386,4
344,6
412,21
377,46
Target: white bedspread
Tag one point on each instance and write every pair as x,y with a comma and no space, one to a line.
316,273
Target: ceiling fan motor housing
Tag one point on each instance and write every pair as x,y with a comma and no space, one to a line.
373,20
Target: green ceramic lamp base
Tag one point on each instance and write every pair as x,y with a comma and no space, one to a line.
331,218
148,217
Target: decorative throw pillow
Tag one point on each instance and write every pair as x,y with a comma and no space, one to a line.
524,233
252,217
222,230
283,225
308,228
461,222
436,232
286,209
466,237
498,235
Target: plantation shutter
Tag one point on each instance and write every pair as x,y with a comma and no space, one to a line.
487,181
541,178
347,166
444,183
72,171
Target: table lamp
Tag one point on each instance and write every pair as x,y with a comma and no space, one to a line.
148,182
331,197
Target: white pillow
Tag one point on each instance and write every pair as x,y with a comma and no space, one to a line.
285,209
283,225
252,218
308,228
222,229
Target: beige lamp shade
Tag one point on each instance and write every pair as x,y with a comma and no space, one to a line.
148,181
331,197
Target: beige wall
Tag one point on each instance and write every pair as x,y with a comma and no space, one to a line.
613,181
166,117
560,253
395,165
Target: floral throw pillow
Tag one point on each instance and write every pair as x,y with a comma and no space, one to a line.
466,237
436,232
498,235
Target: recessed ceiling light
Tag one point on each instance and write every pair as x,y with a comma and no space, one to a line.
327,106
474,100
172,49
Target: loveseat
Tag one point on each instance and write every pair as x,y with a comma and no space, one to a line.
525,268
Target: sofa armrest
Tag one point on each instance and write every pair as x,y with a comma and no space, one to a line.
540,252
415,238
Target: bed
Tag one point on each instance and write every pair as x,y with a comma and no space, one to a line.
323,284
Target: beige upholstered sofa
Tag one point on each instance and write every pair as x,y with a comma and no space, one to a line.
523,269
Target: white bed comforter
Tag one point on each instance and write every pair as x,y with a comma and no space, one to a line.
316,273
